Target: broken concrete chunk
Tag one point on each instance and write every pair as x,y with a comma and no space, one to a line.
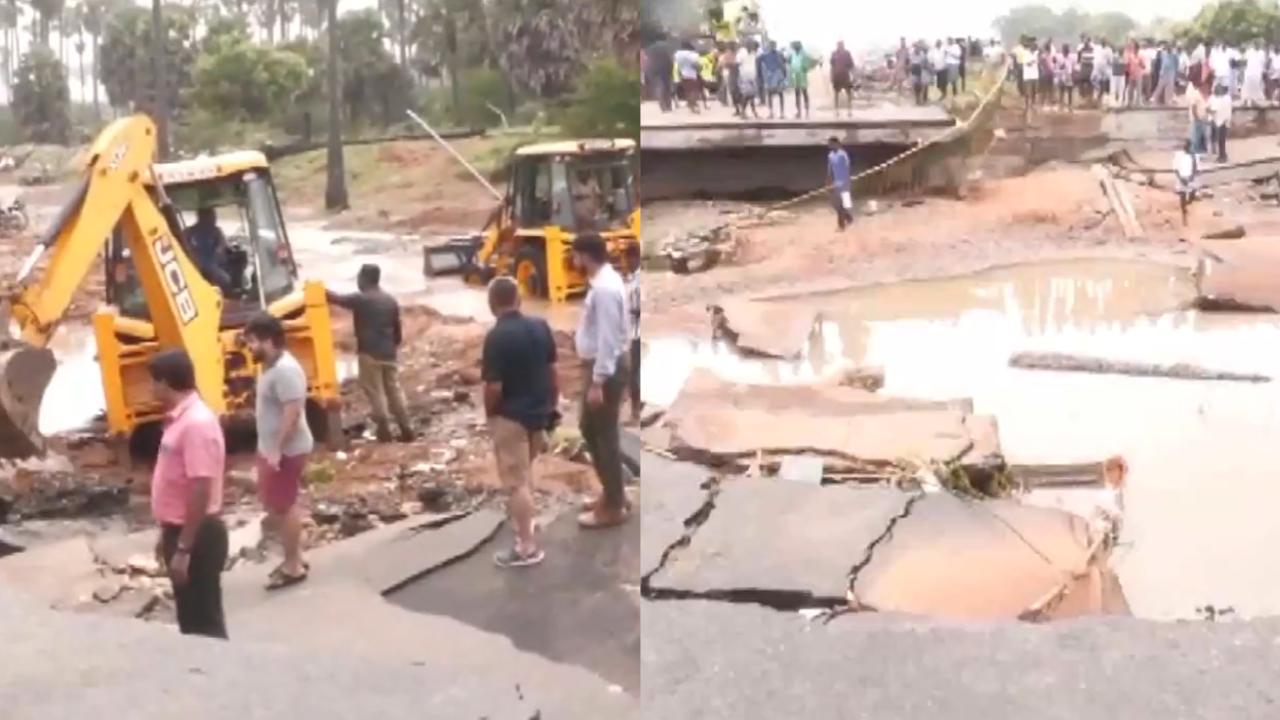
1240,276
991,560
714,422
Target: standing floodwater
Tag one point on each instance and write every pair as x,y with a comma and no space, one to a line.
1201,494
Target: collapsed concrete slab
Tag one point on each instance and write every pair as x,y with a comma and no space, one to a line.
781,538
715,422
1240,277
951,557
672,493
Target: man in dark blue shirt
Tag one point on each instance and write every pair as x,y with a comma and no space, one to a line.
209,247
520,396
840,178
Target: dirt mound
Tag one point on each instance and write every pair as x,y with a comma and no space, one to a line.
405,185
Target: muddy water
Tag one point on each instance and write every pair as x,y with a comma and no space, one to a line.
334,257
1202,490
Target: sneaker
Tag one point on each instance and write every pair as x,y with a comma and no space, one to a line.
513,558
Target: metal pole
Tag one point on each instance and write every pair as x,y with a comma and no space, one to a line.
456,155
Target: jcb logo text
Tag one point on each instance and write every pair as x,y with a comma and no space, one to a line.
174,280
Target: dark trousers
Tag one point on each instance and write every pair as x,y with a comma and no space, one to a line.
633,374
664,88
599,426
199,599
1218,140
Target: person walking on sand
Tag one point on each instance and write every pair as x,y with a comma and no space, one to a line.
1186,167
284,442
518,367
601,341
840,178
376,319
186,497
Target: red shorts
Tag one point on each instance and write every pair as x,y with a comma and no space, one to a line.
278,488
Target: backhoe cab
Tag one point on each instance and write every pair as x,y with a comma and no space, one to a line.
556,191
192,250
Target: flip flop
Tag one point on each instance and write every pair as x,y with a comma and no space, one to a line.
279,579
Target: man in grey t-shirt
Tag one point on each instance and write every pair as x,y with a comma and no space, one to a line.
284,441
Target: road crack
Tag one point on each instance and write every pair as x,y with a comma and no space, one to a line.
869,554
781,600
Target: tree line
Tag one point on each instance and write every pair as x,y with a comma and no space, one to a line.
224,69
1235,22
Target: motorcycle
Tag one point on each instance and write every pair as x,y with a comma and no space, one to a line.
13,219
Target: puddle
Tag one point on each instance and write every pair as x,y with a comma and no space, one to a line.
1200,497
75,398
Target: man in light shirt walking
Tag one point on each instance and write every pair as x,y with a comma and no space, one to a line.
284,442
601,342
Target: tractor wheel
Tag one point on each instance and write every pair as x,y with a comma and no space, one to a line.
530,271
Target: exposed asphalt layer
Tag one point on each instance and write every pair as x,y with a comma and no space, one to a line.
59,665
708,661
580,606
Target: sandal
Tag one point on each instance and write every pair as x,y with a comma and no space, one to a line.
279,579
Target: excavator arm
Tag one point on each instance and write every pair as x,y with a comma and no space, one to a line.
185,309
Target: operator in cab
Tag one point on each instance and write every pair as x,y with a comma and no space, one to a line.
209,247
586,199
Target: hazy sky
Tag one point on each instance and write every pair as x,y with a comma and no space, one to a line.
823,22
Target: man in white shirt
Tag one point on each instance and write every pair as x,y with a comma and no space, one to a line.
938,64
1220,64
954,56
1220,119
1031,74
1186,167
1253,90
993,53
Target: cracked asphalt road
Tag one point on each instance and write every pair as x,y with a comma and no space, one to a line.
708,653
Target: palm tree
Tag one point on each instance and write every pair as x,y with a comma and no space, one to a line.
47,14
78,21
160,109
94,22
335,190
9,16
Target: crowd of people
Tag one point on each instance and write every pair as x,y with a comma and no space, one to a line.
1141,72
742,75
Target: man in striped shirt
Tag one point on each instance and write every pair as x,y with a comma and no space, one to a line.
633,309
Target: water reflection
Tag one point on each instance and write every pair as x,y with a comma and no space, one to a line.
1203,456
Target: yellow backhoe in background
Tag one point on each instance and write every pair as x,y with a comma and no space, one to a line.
556,191
157,296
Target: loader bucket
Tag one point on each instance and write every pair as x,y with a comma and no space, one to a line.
25,373
453,256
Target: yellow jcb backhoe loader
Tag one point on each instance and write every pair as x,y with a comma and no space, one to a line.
556,190
158,297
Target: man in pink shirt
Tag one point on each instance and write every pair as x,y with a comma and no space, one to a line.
186,497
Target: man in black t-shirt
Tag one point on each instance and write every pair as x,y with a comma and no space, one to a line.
520,396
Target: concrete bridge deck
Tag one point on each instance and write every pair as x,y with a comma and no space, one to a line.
717,128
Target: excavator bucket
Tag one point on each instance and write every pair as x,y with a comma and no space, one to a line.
452,256
25,373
